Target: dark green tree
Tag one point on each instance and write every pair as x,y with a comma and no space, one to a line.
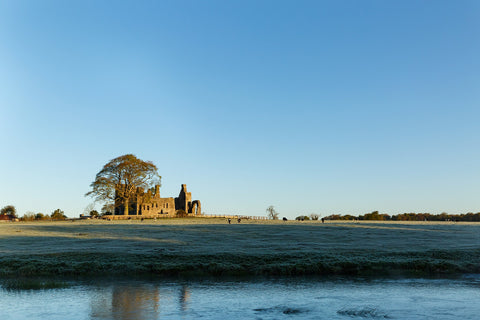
58,215
302,218
39,216
94,213
9,210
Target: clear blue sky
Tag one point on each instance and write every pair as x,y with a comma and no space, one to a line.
311,106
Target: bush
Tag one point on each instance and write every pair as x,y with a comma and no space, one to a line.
40,216
302,218
181,213
94,214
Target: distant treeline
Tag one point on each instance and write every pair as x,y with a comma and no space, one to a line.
409,217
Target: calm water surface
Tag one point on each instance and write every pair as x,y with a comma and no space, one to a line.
262,299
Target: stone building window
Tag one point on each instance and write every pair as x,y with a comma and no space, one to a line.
166,205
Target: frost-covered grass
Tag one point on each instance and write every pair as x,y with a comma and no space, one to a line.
199,246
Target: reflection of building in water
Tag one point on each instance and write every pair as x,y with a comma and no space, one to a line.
127,302
137,300
184,297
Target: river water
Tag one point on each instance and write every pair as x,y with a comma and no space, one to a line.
253,299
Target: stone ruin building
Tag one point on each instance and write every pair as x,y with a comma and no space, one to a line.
150,205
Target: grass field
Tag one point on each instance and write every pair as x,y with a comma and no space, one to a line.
193,247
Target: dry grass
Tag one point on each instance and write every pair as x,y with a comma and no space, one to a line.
213,247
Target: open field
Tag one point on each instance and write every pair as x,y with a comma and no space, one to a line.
172,247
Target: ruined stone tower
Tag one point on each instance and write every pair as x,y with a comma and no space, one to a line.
149,204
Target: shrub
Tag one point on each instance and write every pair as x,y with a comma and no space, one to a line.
94,214
302,218
181,214
40,216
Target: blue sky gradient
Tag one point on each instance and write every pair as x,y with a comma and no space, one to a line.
311,106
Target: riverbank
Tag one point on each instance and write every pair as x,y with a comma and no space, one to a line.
212,247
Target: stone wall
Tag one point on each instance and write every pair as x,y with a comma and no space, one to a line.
150,204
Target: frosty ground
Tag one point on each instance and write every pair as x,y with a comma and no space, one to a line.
212,247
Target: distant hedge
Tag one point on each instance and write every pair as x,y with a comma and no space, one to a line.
375,215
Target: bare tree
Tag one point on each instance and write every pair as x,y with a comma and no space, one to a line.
314,216
108,208
28,216
88,209
271,213
121,177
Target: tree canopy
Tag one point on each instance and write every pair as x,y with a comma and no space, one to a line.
39,216
58,215
127,171
9,210
412,216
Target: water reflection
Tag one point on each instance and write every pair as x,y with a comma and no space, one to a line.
447,299
184,297
136,301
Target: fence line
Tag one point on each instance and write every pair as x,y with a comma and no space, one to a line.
233,216
167,216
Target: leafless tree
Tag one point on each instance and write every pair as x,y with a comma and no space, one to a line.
28,216
271,213
108,208
88,208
